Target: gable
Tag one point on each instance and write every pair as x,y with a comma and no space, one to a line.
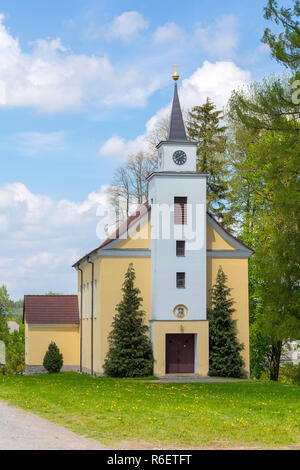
133,238
215,241
139,236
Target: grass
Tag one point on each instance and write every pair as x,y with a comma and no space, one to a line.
252,413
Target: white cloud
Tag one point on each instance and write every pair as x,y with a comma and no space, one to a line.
213,80
126,26
169,32
40,143
40,238
51,78
118,149
222,39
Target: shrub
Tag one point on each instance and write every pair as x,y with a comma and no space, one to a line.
53,359
290,373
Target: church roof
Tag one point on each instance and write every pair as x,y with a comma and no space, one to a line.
177,129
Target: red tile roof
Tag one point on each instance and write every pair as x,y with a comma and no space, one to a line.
45,309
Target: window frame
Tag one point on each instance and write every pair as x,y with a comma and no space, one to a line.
183,279
180,202
178,249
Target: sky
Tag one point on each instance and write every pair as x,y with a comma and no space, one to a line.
82,82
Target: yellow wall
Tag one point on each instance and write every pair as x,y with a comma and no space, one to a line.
139,238
110,274
39,337
236,270
161,328
86,322
214,241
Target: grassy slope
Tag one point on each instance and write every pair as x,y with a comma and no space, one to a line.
195,414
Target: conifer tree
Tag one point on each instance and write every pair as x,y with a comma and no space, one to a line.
224,349
53,359
204,125
130,350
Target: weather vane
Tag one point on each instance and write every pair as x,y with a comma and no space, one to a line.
175,74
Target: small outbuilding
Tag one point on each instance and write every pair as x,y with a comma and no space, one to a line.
51,318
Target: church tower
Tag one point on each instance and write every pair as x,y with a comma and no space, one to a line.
177,195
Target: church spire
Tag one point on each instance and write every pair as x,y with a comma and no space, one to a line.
176,130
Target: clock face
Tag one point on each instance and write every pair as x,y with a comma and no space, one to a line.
179,157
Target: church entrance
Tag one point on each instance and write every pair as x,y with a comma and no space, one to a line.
180,353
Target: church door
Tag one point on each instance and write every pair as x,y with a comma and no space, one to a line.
180,353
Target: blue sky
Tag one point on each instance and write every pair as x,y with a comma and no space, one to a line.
82,82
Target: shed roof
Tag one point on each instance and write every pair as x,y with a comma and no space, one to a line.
51,309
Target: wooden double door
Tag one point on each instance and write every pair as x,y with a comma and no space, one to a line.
180,353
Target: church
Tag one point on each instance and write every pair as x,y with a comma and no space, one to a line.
176,248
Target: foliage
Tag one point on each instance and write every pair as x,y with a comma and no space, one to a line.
15,352
285,47
130,350
53,359
290,374
269,112
5,307
224,350
15,342
204,125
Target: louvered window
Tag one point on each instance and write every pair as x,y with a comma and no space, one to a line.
180,280
180,248
180,209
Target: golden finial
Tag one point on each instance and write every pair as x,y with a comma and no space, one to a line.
175,74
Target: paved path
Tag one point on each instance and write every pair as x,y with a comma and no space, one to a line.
20,430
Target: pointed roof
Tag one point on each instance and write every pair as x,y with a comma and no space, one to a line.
176,130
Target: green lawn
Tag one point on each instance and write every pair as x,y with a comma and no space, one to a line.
250,413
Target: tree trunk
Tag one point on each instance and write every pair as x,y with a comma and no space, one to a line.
275,360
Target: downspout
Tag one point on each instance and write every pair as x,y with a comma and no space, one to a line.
92,320
81,279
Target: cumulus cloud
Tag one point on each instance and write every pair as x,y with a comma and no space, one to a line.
220,39
213,80
118,148
126,26
167,33
41,238
51,78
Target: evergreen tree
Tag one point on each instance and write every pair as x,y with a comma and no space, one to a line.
53,359
130,350
224,350
204,125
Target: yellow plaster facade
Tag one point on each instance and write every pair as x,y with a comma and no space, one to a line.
109,271
38,338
